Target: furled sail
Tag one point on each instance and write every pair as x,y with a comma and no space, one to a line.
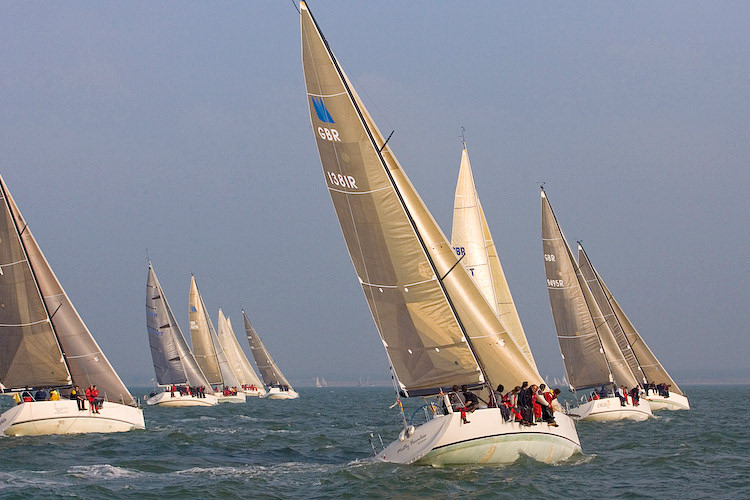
590,353
597,290
86,362
267,367
435,324
651,367
243,370
173,361
29,352
471,240
207,349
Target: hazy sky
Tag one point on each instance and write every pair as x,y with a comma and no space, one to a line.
183,128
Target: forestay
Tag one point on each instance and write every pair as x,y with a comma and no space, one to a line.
473,243
86,363
266,365
399,253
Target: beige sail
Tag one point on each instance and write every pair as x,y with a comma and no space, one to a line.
86,362
435,325
235,355
471,239
200,336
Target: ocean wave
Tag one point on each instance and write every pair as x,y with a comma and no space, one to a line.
102,471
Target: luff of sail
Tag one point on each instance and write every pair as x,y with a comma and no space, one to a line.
590,354
243,370
29,352
266,365
597,290
427,317
471,237
86,362
650,365
173,361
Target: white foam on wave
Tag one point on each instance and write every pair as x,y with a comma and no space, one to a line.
102,471
257,470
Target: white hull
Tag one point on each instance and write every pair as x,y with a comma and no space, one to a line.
608,409
236,398
165,399
487,439
257,393
673,402
276,393
63,417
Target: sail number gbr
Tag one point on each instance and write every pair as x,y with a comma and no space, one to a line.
329,134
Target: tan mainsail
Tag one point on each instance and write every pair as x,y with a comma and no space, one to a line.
590,353
651,367
85,361
471,240
435,325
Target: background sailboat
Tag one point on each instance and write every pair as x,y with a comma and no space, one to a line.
248,379
641,360
208,351
45,343
435,325
590,352
174,364
278,386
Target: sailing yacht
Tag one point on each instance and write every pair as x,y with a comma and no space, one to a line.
208,351
436,326
249,382
641,360
588,336
174,364
278,386
45,343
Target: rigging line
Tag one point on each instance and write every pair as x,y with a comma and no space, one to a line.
294,4
386,141
55,311
453,266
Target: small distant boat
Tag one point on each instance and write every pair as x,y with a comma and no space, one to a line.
278,387
208,351
435,325
319,383
174,364
45,343
641,360
248,379
592,356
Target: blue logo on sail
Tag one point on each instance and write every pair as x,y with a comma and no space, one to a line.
321,110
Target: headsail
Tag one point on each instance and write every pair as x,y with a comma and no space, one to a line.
267,367
435,325
208,351
86,362
471,237
173,361
243,370
597,290
590,353
651,367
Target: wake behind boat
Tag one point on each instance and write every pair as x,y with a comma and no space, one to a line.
437,328
44,343
590,350
174,364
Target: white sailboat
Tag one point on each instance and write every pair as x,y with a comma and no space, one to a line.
174,364
250,384
209,352
278,387
437,328
592,357
45,343
641,360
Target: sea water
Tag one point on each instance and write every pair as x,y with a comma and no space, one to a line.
317,447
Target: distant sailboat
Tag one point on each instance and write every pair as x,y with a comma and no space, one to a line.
174,364
591,354
45,343
641,360
318,383
436,326
209,352
278,386
248,379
